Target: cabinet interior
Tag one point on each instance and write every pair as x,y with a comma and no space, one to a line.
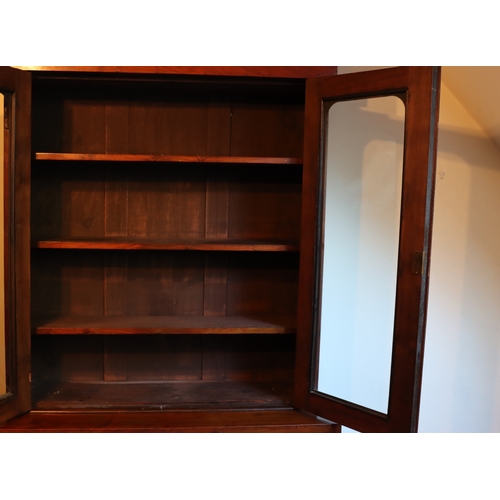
165,225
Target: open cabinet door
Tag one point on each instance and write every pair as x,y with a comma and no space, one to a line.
369,163
15,97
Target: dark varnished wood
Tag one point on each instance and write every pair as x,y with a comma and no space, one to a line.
153,160
164,283
254,71
164,117
119,325
262,283
222,245
237,160
203,421
276,129
155,358
161,210
89,200
161,395
16,86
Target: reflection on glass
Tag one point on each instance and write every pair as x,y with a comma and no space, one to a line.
3,354
363,178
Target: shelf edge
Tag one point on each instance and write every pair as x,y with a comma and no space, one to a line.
242,160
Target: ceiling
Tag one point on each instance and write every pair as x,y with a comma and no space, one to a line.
478,89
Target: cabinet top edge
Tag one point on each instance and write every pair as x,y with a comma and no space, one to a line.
257,71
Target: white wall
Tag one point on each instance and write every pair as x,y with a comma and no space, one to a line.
460,391
461,376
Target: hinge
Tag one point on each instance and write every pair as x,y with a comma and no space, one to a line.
418,263
29,377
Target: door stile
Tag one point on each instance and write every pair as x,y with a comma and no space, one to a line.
16,84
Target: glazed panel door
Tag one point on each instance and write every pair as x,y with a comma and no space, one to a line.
367,210
15,100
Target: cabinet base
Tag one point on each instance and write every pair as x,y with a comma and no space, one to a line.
174,422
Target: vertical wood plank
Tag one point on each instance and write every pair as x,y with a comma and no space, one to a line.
46,202
215,283
219,129
83,202
117,126
270,129
46,286
166,201
84,124
164,357
188,282
163,127
216,226
82,276
67,283
217,202
116,200
213,367
116,224
115,282
264,284
150,284
48,121
217,187
164,283
115,359
260,358
81,358
265,202
115,304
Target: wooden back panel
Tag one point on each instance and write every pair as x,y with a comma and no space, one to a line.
170,117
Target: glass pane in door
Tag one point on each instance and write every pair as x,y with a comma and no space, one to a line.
361,221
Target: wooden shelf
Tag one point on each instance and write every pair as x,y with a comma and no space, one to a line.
60,396
125,325
250,160
152,244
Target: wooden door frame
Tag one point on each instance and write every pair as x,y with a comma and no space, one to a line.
17,168
421,89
